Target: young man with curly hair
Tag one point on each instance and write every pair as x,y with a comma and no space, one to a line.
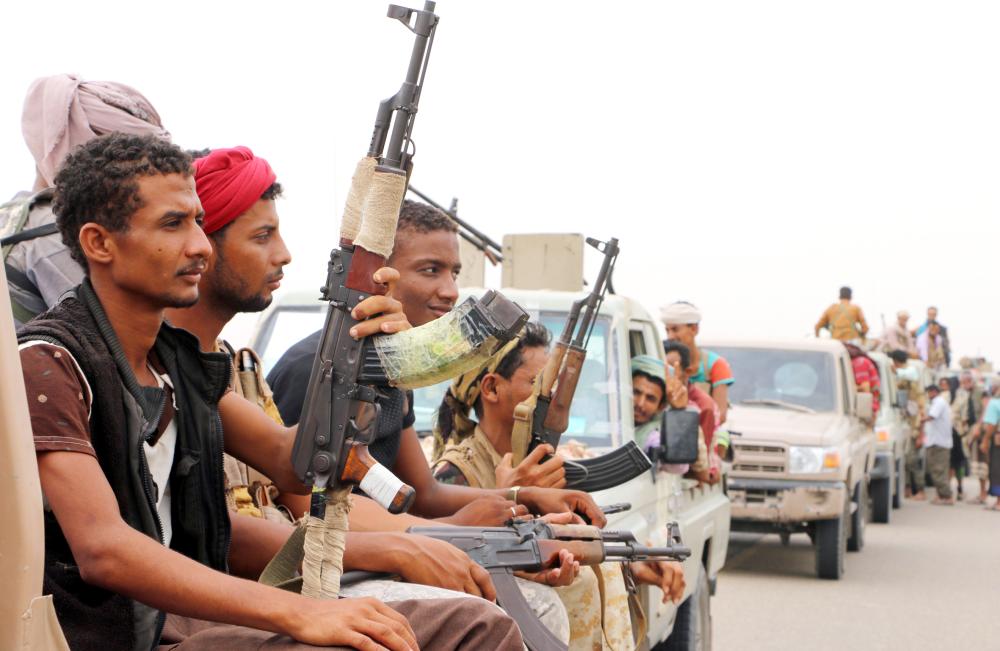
128,417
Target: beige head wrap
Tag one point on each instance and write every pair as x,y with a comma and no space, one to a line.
680,313
63,112
462,396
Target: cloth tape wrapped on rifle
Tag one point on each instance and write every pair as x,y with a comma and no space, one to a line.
341,407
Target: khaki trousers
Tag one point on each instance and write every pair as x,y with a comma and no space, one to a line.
938,463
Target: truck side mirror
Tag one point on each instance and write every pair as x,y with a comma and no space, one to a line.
903,399
864,407
679,436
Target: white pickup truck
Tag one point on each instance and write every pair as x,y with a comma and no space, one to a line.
601,418
802,446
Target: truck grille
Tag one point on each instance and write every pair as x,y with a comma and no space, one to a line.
767,459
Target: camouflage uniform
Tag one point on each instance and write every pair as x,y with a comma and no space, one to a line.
45,260
247,491
915,412
596,602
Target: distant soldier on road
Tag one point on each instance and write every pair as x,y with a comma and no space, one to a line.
908,380
844,319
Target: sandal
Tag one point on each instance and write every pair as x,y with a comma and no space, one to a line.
976,500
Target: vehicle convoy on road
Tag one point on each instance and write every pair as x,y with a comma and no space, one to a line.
803,448
891,433
600,422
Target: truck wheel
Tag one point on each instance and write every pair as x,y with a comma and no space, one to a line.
881,500
693,624
856,541
897,497
831,545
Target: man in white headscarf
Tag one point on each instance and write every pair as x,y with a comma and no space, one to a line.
60,113
709,371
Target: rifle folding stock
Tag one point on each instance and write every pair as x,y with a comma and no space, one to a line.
532,546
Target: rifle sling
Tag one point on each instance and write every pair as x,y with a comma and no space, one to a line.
283,570
30,234
536,637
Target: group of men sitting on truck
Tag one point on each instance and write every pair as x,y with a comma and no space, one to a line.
151,531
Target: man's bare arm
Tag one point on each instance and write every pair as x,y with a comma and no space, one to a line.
255,439
112,555
434,500
862,322
721,396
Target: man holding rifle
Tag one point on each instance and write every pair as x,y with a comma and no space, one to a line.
237,190
127,416
426,255
492,392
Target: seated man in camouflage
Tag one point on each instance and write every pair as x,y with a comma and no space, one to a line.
474,451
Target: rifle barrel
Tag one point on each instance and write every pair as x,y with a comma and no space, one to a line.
484,243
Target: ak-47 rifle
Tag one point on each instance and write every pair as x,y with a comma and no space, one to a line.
533,546
341,405
545,416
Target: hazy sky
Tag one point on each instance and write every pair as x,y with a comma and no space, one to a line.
751,156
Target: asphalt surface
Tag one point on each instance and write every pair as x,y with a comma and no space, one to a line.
930,579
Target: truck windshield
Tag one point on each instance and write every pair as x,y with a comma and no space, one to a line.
594,418
800,380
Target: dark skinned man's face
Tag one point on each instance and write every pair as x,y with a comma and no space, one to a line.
647,399
160,258
247,266
428,265
683,333
504,394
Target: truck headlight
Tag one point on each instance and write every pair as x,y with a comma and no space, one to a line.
810,459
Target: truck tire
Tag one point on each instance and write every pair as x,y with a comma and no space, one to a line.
831,545
897,496
881,500
856,539
693,624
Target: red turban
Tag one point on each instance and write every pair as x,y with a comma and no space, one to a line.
229,182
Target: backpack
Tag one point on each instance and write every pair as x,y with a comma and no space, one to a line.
25,300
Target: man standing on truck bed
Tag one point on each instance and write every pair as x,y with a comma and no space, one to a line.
844,319
708,370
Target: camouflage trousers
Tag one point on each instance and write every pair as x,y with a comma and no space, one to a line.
544,601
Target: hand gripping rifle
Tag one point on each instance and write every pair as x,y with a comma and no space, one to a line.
533,546
341,405
545,415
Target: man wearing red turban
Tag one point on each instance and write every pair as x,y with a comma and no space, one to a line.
229,183
237,191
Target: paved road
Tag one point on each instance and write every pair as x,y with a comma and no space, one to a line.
928,580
